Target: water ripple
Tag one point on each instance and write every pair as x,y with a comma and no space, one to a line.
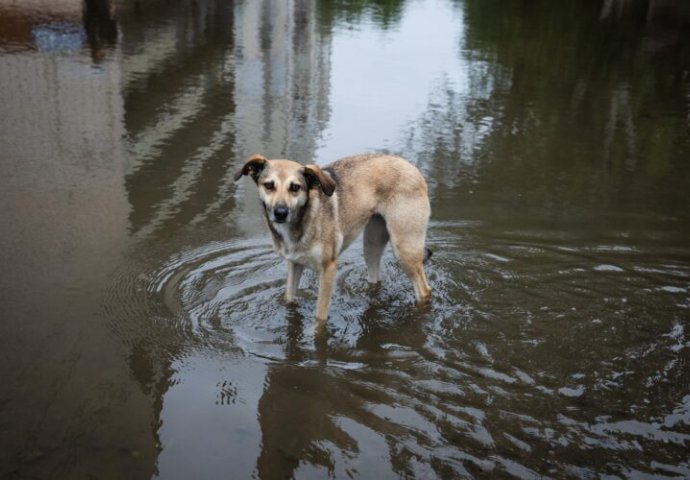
527,346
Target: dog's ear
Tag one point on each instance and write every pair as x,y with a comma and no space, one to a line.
253,167
315,176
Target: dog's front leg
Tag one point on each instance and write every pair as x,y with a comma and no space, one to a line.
294,273
326,279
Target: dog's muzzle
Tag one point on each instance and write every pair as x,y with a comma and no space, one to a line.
280,214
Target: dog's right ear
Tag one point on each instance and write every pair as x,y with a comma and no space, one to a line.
254,166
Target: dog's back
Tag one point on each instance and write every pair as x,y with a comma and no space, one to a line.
372,184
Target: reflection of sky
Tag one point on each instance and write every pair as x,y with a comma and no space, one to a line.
59,37
208,424
376,94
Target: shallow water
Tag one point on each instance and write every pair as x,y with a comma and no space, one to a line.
143,331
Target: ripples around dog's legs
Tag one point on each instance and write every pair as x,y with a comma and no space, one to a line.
531,357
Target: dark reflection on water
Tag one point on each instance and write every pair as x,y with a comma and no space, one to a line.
143,328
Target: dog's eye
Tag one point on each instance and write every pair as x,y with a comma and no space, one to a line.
295,187
269,186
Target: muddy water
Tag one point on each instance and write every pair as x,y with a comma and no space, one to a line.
143,332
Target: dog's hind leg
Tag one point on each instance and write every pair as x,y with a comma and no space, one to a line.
406,225
294,273
375,240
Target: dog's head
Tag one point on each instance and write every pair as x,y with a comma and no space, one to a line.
284,185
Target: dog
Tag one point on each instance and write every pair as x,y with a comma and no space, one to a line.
315,213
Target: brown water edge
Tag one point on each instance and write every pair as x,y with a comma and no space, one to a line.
143,329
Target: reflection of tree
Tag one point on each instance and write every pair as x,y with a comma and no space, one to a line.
207,78
563,110
178,98
100,26
385,13
209,84
620,113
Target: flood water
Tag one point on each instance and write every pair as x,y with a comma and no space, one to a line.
142,327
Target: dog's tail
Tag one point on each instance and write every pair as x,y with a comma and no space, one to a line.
427,254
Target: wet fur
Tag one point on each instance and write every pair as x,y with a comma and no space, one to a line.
384,196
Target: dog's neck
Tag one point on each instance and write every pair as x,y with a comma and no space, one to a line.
284,234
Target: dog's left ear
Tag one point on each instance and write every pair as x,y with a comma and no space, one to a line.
316,176
254,166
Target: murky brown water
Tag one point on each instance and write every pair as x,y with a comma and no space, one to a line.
143,332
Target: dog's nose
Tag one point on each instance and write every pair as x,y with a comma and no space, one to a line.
280,213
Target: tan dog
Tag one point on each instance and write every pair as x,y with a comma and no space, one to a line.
314,214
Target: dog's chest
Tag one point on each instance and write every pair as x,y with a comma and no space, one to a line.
309,257
307,254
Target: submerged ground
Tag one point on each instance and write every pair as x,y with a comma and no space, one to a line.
142,327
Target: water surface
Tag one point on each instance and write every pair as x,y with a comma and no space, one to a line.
143,332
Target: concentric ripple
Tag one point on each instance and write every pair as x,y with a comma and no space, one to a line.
232,294
537,354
